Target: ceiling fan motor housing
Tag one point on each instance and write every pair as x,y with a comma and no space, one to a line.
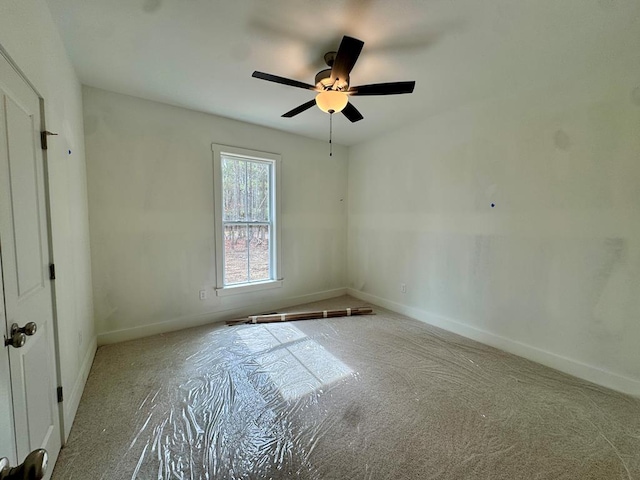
323,78
323,81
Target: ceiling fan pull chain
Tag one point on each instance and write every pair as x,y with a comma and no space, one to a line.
330,134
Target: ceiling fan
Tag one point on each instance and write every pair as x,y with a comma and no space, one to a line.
332,84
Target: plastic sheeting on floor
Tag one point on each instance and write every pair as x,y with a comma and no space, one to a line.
381,397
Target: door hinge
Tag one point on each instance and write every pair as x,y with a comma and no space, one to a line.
52,271
60,396
43,138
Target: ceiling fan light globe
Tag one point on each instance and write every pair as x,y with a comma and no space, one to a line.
331,100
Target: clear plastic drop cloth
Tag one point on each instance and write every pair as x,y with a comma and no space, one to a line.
372,397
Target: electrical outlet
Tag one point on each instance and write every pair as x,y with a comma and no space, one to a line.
403,287
203,294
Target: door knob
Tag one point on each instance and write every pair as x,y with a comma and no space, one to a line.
29,329
34,467
17,340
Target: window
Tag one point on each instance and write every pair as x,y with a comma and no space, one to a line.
247,219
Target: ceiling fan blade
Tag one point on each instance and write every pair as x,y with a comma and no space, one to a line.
393,88
348,52
352,113
284,81
300,109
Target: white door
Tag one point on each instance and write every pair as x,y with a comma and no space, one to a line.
24,255
7,439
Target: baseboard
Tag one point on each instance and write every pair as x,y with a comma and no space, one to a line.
572,367
72,402
181,323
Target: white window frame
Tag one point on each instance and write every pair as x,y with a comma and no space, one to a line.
276,240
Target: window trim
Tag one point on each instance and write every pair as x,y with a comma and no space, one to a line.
218,151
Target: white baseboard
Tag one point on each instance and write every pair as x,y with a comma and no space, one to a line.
72,402
572,367
213,317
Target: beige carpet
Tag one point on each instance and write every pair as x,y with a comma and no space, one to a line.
374,397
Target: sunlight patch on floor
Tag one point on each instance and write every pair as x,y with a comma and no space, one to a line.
296,364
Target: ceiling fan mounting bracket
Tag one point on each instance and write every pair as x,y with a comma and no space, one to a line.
329,58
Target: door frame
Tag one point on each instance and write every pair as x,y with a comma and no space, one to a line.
47,201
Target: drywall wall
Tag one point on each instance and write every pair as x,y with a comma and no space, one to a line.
515,221
150,176
29,36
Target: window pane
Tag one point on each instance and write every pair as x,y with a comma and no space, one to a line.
258,179
259,253
236,254
234,189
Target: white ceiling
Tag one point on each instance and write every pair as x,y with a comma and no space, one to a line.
200,54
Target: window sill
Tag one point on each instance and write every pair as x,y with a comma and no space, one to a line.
248,288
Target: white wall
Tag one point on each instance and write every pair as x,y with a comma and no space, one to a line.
553,271
29,35
150,176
